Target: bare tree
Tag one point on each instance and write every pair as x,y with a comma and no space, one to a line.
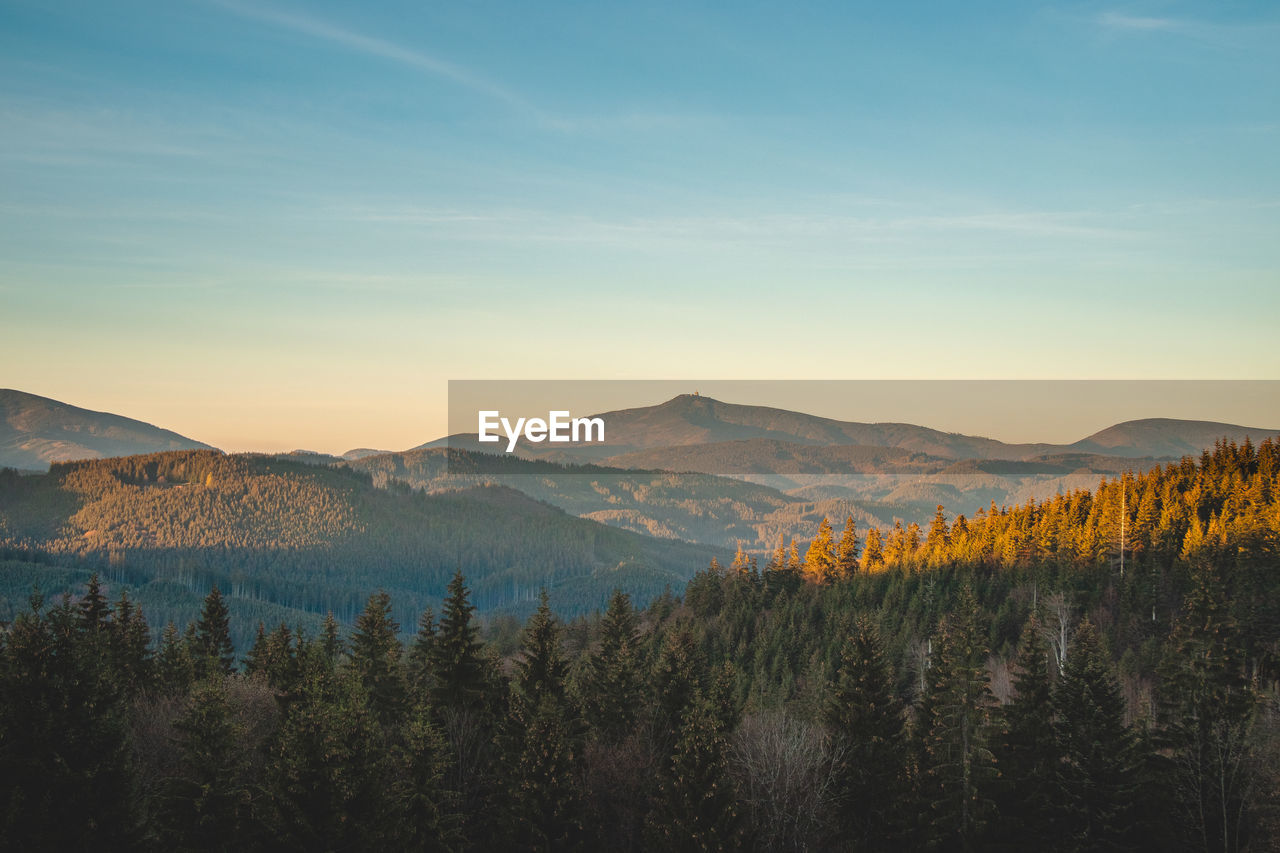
785,771
1059,626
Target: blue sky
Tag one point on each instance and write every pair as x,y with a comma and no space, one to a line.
272,225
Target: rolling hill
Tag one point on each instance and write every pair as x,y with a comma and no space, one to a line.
316,538
35,431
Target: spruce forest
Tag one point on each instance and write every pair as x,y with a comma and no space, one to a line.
1093,672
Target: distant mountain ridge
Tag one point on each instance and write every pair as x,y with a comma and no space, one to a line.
35,431
644,436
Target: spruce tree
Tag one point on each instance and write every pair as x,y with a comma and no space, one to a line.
1027,754
131,646
213,651
456,666
65,775
865,719
328,771
376,658
612,685
956,767
677,679
1101,762
820,559
873,553
847,551
545,796
1207,706
696,808
419,663
207,804
175,669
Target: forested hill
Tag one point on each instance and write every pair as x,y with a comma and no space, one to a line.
35,431
718,511
317,538
1001,684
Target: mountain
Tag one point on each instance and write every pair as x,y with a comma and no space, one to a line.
689,419
35,431
691,432
320,538
1167,437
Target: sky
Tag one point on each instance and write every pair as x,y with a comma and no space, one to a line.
275,225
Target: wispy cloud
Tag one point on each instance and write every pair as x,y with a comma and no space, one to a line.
1227,34
380,48
1121,21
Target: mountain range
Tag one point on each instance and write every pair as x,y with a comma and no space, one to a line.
691,470
649,436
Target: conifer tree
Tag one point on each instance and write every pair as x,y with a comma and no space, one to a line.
1099,771
94,610
64,749
677,679
328,771
820,559
419,663
175,668
545,796
873,553
207,805
331,646
421,803
1027,753
456,666
1207,705
938,541
541,668
847,551
375,658
865,719
696,808
131,646
612,685
213,651
956,764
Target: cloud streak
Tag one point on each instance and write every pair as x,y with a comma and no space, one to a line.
381,49
1120,21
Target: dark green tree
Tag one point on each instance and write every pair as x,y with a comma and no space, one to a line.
376,658
457,668
65,774
1029,793
328,772
612,687
865,719
1099,750
696,810
207,804
1207,706
175,669
956,767
213,650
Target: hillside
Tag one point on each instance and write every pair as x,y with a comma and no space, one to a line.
35,431
873,485
718,511
319,538
1168,437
